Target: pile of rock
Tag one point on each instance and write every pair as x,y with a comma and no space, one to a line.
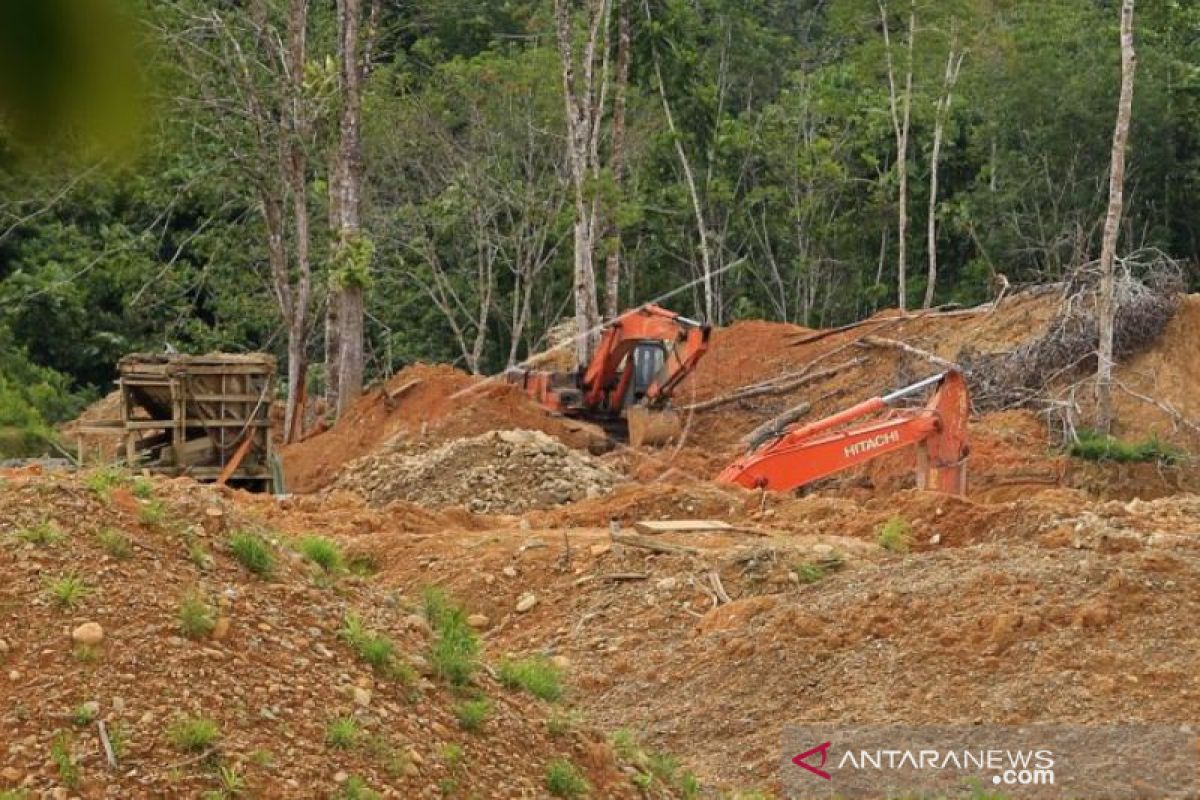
500,472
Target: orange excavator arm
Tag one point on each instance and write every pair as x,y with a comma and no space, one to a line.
806,453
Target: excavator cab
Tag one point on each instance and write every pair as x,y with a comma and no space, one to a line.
647,361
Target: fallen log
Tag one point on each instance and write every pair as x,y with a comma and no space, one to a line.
633,540
777,386
893,344
772,428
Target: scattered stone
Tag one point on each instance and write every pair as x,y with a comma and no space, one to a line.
89,633
478,620
600,548
561,661
221,630
118,705
667,584
527,601
510,571
362,696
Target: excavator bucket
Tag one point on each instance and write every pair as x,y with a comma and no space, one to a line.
652,426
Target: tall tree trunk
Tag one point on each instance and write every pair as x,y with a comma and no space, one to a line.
689,179
344,329
943,110
583,122
901,122
294,168
612,265
1112,224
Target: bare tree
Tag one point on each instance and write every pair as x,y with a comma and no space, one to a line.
1112,224
249,75
612,265
352,250
953,66
901,123
584,99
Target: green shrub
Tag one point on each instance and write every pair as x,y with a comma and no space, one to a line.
472,713
374,648
342,733
535,675
895,535
115,543
143,488
1096,446
102,481
193,734
253,552
322,552
196,616
355,788
563,779
83,715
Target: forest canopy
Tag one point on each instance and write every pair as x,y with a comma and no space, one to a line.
758,145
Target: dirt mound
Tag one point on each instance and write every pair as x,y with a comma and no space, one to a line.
268,669
501,472
426,404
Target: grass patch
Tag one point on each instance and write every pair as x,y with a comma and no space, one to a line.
102,481
198,554
374,648
85,653
153,513
563,779
560,723
196,616
44,534
817,571
535,675
193,734
83,715
472,714
253,552
115,543
322,552
143,488
895,535
68,591
363,565
1096,446
342,733
455,648
61,753
355,788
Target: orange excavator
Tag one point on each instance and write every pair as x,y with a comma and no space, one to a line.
641,358
801,454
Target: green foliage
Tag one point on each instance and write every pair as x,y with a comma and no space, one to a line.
152,513
102,481
63,756
343,733
472,714
536,675
253,552
143,488
355,788
43,534
322,552
196,617
83,715
193,734
375,649
115,543
1095,446
895,535
68,591
455,648
563,779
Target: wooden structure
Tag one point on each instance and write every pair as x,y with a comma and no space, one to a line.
207,417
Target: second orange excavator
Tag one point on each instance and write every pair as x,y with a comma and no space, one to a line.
802,454
642,357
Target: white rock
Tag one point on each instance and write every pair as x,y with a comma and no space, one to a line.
89,633
527,601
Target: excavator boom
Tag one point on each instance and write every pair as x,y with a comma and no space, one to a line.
806,453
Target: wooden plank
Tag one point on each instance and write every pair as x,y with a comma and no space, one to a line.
681,526
164,424
633,540
236,461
